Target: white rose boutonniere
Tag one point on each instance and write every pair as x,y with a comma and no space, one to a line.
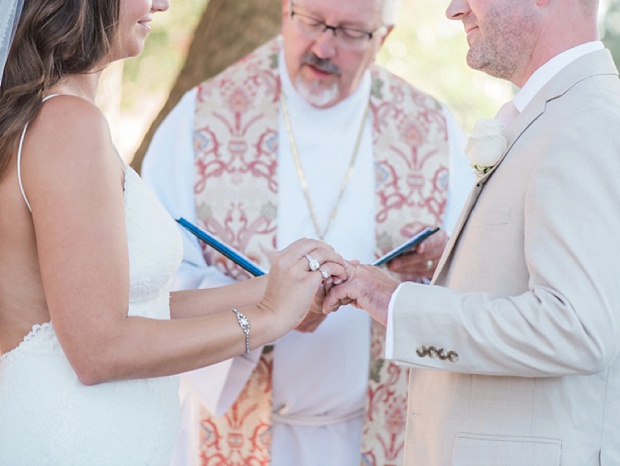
486,145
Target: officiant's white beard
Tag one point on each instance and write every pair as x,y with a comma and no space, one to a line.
316,94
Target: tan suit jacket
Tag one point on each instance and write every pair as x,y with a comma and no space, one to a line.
527,295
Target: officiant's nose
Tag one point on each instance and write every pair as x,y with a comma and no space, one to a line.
325,44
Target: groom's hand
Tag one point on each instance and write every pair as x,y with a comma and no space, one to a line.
367,288
311,322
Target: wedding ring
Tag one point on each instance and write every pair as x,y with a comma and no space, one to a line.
324,274
429,264
312,262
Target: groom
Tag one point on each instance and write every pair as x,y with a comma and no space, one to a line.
515,348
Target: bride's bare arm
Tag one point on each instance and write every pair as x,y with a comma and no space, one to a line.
73,181
193,303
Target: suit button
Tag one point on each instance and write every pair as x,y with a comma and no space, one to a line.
453,356
432,352
421,351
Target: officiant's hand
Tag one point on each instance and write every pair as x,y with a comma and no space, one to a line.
367,288
423,260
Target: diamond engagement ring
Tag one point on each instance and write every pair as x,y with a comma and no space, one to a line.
429,264
312,262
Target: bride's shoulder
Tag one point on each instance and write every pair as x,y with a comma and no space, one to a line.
67,147
66,115
68,129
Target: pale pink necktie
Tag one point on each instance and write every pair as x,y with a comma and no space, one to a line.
507,113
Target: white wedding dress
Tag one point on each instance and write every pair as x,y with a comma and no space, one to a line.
47,417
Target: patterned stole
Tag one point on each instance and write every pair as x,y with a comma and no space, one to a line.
235,144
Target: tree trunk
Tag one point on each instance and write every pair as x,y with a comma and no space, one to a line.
227,31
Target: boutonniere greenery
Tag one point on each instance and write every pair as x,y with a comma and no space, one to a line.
486,145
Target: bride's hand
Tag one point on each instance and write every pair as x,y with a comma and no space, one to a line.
294,278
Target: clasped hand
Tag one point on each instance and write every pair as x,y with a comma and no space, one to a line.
369,288
308,280
366,287
298,280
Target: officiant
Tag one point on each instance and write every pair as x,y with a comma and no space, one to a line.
307,137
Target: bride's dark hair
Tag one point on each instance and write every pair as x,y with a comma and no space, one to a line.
53,38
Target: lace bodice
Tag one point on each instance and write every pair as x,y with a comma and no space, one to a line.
47,417
156,249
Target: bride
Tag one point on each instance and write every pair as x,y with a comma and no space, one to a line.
90,336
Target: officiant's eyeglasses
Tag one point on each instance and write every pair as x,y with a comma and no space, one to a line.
344,37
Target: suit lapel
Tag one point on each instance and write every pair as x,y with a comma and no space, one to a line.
512,133
595,63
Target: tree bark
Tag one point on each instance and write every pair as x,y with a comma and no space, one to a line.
227,31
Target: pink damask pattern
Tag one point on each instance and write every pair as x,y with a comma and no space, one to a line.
243,435
235,144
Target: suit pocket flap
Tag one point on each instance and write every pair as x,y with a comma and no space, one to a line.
493,450
489,217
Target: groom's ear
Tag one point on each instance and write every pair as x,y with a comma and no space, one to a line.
387,33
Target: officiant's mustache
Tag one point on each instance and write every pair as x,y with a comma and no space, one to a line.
322,64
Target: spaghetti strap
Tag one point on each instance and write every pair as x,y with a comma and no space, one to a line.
19,157
120,157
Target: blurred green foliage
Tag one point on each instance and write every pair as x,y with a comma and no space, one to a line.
429,51
154,71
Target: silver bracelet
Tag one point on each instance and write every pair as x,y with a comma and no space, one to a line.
244,323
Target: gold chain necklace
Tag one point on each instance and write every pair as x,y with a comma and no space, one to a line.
302,177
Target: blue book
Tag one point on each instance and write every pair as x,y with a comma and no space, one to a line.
254,269
234,255
406,246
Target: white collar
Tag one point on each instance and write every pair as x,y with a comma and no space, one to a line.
546,72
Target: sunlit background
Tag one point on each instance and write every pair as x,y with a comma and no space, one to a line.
425,48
